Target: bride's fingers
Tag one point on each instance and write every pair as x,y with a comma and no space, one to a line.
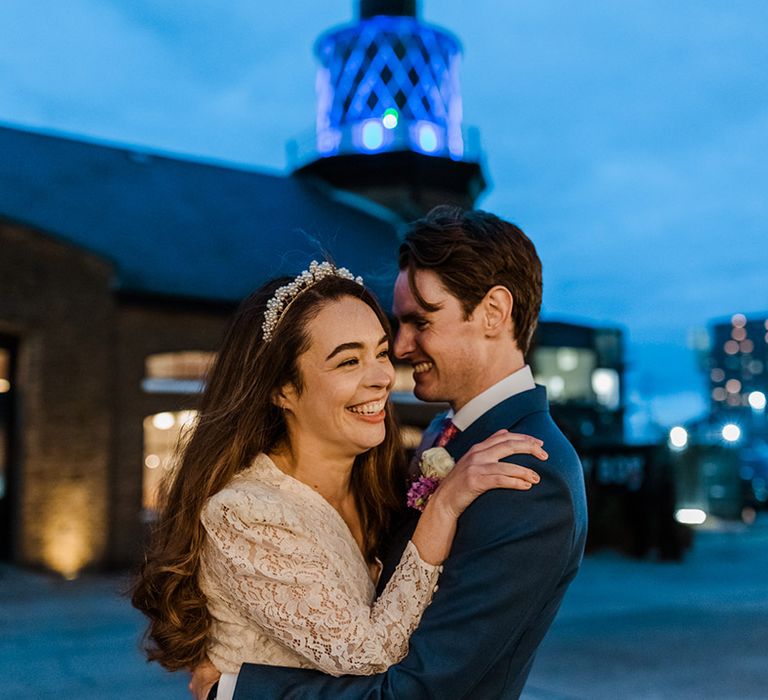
504,436
503,481
515,470
512,446
479,474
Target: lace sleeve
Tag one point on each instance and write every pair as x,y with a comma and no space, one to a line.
294,590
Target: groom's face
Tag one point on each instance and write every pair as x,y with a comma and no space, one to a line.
445,349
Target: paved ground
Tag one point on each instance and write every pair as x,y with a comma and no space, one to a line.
627,630
645,631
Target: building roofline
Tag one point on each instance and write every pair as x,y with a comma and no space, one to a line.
138,152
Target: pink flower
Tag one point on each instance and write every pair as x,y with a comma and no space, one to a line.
420,491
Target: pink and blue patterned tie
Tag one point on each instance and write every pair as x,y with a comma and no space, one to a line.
447,433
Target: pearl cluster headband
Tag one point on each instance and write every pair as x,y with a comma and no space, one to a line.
285,295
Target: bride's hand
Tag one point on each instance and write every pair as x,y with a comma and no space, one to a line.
481,469
204,675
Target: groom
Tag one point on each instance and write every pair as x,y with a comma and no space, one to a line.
467,300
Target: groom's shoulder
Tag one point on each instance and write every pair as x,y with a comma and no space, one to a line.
541,425
529,414
562,473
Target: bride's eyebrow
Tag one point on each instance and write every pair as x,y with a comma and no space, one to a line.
353,346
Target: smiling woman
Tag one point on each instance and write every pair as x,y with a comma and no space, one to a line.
267,542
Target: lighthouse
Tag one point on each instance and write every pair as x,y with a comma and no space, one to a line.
389,113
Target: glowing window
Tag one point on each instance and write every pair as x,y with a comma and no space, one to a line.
566,372
162,435
176,372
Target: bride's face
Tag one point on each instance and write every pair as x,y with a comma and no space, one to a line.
347,376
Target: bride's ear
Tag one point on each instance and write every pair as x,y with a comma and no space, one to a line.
284,397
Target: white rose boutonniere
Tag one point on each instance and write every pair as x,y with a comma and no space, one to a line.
435,465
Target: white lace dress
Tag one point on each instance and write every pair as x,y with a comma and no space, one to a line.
287,584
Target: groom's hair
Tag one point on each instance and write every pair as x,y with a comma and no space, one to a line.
472,251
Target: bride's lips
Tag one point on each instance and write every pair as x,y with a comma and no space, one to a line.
370,411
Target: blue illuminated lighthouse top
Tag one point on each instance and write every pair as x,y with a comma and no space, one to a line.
389,83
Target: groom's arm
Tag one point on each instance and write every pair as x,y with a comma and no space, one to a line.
509,556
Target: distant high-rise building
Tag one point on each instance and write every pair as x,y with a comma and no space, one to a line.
726,467
738,364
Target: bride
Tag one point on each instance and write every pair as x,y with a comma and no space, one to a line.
266,548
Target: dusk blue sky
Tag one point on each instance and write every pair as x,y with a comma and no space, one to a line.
628,139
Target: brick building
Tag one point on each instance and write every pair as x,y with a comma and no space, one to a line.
118,270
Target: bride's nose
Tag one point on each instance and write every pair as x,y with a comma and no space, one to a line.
381,375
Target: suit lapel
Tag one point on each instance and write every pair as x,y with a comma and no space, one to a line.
502,416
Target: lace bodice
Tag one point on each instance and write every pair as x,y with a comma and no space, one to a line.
287,584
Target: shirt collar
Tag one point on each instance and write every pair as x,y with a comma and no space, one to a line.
515,383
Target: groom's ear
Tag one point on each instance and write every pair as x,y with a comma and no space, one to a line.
497,311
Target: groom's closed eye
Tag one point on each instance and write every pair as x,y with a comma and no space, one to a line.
414,320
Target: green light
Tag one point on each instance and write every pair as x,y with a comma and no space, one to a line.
390,118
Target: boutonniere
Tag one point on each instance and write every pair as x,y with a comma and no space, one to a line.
435,464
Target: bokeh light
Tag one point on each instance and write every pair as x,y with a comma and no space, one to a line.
373,134
690,516
163,421
757,400
390,118
678,437
427,137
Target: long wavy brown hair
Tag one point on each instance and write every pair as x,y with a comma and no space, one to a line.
237,420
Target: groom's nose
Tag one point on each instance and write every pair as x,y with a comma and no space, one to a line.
404,344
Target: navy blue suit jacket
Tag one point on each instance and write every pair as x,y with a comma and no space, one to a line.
514,554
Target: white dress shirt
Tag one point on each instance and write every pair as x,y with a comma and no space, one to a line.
515,383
